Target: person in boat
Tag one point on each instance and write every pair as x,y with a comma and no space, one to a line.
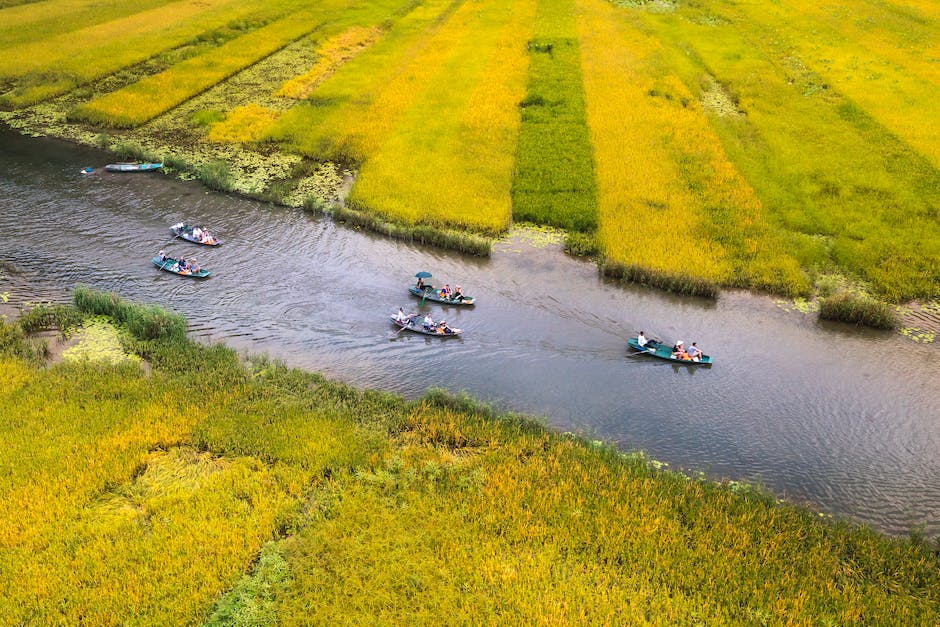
402,317
194,266
694,352
641,340
179,227
443,329
420,284
428,322
445,291
678,351
197,233
161,256
458,294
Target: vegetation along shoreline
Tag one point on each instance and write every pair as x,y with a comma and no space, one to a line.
680,145
180,483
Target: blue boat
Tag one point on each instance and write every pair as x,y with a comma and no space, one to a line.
664,351
132,167
172,265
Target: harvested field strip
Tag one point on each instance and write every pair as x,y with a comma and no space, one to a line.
462,129
554,173
853,196
148,98
641,126
367,94
333,54
52,66
891,71
30,22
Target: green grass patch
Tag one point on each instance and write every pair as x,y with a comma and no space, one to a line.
554,178
858,309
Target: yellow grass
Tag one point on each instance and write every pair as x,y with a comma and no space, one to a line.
243,124
27,21
151,96
647,216
332,54
461,129
68,59
887,65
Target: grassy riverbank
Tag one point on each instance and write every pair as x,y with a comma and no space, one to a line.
687,146
210,489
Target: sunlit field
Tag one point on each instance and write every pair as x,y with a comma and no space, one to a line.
462,129
46,66
847,194
144,100
211,489
692,146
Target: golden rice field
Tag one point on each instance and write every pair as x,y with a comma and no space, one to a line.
214,490
708,143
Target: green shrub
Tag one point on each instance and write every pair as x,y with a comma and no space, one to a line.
217,175
858,309
44,317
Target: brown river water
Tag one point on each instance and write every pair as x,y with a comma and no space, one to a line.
844,419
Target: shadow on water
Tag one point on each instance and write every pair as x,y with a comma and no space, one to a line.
822,412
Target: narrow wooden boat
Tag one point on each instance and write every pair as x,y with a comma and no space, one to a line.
664,351
132,167
432,294
185,231
172,265
417,327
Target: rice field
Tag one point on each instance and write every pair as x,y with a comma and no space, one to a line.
215,490
554,173
690,146
142,101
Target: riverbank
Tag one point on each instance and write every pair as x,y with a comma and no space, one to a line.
219,489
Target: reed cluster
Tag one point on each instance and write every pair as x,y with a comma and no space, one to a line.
847,306
222,490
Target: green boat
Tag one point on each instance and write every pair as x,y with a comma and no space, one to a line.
172,265
664,351
429,293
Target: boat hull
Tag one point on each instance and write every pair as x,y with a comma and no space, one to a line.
132,167
187,234
662,351
416,327
169,263
433,295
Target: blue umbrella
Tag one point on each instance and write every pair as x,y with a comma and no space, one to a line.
423,275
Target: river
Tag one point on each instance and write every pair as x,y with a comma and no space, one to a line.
844,419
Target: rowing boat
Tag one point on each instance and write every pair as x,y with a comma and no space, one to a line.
172,265
417,327
429,293
185,231
132,167
663,351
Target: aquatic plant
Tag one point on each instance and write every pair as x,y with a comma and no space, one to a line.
847,306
